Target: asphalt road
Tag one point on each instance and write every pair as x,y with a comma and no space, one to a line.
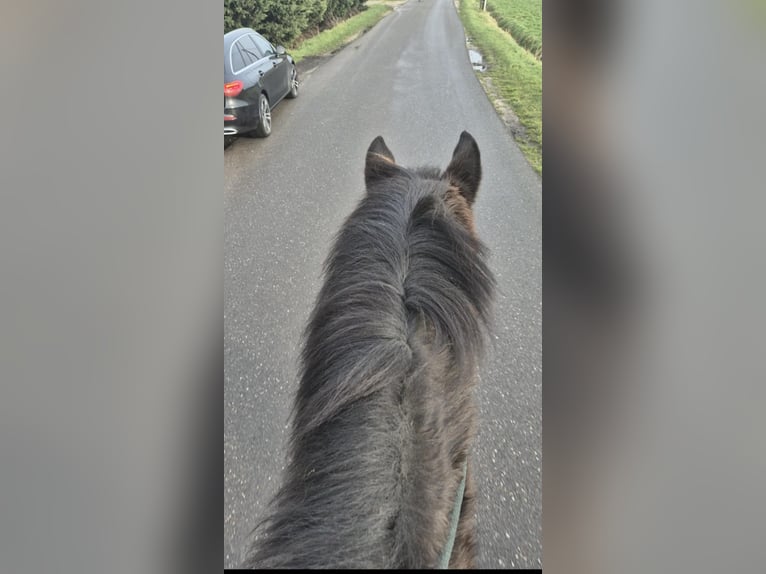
410,80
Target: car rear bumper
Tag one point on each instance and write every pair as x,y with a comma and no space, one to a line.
238,119
234,124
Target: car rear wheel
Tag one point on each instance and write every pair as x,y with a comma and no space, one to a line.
263,129
293,84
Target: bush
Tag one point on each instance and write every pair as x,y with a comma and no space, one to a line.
244,13
282,21
337,9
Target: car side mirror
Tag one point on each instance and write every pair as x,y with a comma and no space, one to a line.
280,51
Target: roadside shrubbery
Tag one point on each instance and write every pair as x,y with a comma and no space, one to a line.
522,19
516,76
284,21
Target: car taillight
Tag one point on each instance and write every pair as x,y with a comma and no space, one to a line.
232,89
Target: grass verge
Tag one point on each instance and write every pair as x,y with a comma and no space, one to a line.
516,77
330,40
522,19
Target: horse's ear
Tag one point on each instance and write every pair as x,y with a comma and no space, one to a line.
380,161
464,171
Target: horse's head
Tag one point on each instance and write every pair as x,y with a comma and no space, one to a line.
456,186
388,366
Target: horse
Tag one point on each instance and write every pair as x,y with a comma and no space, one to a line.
384,416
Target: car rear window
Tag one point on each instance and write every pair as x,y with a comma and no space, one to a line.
249,44
264,46
237,60
243,53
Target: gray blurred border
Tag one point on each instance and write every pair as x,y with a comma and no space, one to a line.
110,250
654,454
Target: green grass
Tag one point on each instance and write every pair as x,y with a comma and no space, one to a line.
522,19
340,35
517,76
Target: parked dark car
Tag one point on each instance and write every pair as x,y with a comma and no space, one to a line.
256,77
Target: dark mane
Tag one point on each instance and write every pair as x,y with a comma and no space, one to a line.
383,416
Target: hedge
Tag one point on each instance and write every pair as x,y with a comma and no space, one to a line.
284,21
